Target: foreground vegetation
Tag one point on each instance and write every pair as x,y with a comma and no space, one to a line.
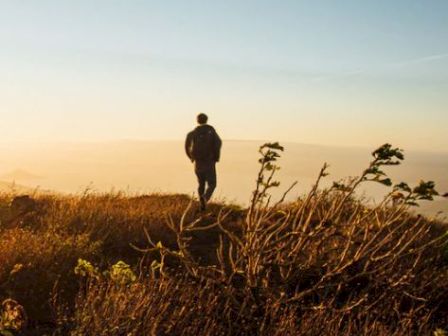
325,264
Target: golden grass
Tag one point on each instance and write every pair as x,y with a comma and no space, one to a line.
326,264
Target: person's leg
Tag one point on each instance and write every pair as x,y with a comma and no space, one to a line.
201,183
211,183
201,187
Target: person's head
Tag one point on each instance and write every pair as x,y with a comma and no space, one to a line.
202,118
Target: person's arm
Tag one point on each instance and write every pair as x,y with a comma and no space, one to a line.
188,143
218,145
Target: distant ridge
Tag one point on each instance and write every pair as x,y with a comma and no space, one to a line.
19,175
9,187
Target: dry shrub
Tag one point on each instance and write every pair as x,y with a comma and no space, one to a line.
13,317
325,264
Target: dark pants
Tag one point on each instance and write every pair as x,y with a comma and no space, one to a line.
206,174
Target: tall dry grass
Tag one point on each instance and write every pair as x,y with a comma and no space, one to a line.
40,248
326,264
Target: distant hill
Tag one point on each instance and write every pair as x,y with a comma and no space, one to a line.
19,175
9,187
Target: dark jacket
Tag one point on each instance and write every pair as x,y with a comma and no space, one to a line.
214,152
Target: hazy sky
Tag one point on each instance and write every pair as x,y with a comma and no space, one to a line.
346,72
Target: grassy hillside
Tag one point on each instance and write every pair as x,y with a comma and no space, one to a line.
325,264
162,166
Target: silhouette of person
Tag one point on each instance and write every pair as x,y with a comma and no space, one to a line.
203,147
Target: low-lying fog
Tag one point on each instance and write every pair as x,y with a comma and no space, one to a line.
161,166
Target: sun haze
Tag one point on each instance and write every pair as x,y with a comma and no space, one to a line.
232,167
341,73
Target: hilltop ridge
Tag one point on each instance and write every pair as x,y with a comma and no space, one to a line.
84,264
161,166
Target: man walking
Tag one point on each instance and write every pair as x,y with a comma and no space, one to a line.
203,147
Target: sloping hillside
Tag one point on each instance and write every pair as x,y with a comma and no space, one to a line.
11,187
325,264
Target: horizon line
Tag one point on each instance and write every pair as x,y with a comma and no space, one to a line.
260,141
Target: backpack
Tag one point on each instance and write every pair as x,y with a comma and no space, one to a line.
204,144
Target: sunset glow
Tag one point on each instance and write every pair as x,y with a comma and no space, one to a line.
346,73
